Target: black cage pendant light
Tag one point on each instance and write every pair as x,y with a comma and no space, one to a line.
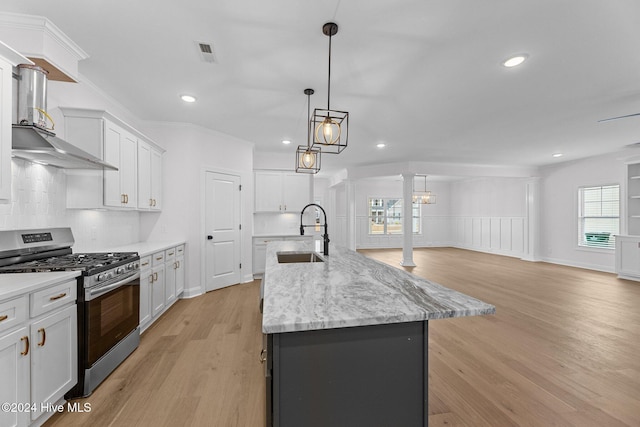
307,157
330,127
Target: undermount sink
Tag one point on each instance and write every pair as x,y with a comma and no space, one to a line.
290,257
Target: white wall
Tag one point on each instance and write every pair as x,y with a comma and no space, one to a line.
559,213
190,151
489,215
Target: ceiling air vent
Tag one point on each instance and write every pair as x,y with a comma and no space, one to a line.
206,51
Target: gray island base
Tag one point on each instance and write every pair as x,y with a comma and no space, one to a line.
347,339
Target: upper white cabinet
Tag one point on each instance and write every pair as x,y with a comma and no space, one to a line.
137,182
8,59
277,191
121,151
149,177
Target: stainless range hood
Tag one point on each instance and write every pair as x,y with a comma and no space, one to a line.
31,140
38,145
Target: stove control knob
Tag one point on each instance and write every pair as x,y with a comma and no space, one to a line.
101,277
131,266
119,270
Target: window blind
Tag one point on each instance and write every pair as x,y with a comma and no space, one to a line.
599,216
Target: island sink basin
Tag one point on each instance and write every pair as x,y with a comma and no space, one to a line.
292,257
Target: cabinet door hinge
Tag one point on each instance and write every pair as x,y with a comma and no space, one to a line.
240,187
240,265
239,226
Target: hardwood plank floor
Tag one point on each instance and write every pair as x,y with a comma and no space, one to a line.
563,349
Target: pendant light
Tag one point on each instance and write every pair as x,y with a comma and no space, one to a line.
307,157
330,127
423,197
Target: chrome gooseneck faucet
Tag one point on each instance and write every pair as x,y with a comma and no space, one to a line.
326,231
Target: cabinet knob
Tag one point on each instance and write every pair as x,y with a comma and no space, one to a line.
209,237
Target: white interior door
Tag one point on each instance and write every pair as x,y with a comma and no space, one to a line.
222,225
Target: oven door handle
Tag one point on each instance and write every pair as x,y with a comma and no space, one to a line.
105,289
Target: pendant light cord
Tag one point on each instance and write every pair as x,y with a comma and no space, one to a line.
329,79
308,121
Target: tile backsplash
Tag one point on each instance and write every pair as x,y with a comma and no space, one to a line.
38,200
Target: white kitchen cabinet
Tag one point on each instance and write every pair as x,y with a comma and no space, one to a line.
260,253
149,177
161,283
112,140
38,351
54,357
14,375
170,276
146,283
8,59
158,293
279,191
179,271
121,151
260,250
628,257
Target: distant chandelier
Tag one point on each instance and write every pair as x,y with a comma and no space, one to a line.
307,157
423,197
331,127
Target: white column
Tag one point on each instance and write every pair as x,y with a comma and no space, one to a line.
407,220
532,232
350,193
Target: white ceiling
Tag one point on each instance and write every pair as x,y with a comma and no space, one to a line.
424,77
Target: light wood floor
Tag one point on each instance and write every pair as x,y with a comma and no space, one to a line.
563,349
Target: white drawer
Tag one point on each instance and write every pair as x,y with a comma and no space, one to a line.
145,262
170,255
13,312
180,250
157,258
53,297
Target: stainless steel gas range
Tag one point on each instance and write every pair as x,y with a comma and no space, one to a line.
108,296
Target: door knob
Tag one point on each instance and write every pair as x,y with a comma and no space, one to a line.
209,237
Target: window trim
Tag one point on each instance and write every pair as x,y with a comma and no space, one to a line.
577,215
384,201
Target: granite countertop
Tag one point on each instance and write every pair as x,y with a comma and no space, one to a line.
349,289
147,248
15,284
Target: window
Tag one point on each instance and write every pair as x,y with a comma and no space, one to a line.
598,216
385,216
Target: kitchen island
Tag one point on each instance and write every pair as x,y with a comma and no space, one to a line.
347,338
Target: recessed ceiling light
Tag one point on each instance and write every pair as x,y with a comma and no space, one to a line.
381,145
188,98
557,154
286,142
516,60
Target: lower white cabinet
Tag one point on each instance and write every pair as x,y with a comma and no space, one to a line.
38,352
146,281
179,271
54,357
628,257
161,283
260,250
14,376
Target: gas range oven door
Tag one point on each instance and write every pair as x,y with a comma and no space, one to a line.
111,333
